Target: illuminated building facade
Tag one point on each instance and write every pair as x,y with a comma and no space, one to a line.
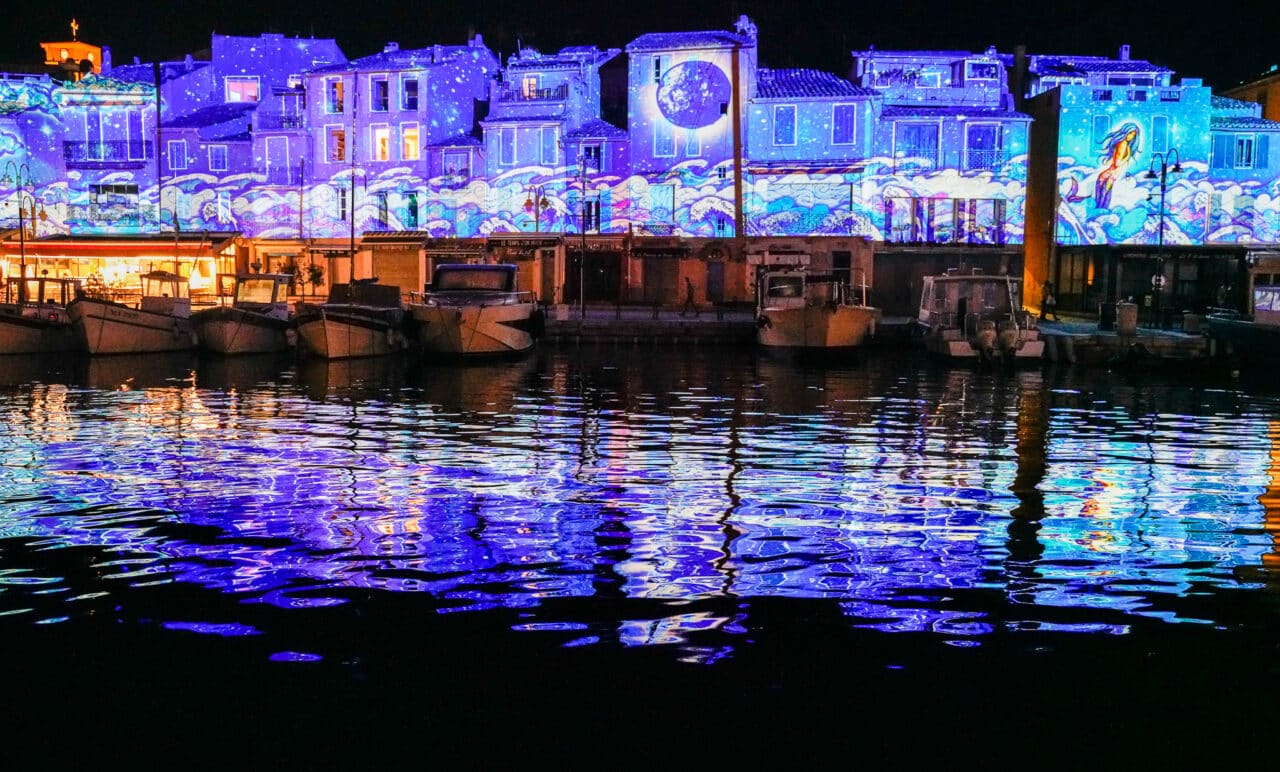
1144,187
919,161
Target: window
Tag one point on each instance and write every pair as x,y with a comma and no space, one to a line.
342,204
409,92
784,124
915,145
662,202
529,86
983,147
660,63
457,163
1101,128
137,138
507,147
842,124
928,79
177,154
591,214
1102,95
217,158
410,211
241,88
409,145
379,94
336,142
1244,151
692,145
591,156
664,141
550,146
380,142
384,209
1159,134
224,206
334,96
981,71
95,150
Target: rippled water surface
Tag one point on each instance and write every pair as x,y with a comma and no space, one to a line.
699,505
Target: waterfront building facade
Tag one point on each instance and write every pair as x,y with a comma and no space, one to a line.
1144,187
278,154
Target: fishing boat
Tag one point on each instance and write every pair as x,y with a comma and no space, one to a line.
811,312
256,322
160,322
977,316
33,316
360,319
475,311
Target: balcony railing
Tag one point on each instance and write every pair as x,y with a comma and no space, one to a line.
559,93
274,122
110,152
984,160
283,176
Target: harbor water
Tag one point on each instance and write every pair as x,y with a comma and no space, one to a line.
628,556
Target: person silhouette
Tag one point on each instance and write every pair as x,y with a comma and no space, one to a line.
689,305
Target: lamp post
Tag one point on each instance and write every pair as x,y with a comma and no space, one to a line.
535,204
19,175
1166,168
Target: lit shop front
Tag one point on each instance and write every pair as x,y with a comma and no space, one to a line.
112,265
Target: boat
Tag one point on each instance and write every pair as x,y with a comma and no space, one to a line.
256,322
475,311
160,322
977,316
33,316
810,312
360,319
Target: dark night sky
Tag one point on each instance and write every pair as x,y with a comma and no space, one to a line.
1223,42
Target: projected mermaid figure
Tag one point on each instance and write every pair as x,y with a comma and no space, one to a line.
1118,150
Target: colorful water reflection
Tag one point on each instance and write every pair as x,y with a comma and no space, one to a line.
652,505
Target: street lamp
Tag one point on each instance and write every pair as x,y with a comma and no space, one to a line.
536,203
19,175
1163,159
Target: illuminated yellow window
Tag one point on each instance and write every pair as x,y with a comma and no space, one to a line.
409,145
381,137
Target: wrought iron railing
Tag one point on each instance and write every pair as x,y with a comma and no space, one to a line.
557,93
112,151
984,160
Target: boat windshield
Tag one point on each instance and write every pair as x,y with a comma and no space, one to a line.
786,287
256,290
486,280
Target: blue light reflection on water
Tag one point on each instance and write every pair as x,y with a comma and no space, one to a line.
889,488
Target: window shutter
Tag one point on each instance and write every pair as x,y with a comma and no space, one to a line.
1223,151
1261,159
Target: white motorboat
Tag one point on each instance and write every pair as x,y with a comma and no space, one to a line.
160,322
475,311
33,317
977,316
361,319
798,310
256,322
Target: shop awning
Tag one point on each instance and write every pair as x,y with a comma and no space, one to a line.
399,240
187,244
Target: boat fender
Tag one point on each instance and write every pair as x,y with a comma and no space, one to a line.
763,322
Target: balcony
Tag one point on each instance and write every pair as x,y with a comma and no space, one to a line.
278,122
557,94
984,160
283,176
111,153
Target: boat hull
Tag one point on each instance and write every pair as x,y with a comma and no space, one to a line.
228,330
1252,343
104,327
38,332
345,332
816,327
475,330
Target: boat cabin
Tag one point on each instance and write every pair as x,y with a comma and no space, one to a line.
464,277
165,293
792,288
265,293
43,290
951,299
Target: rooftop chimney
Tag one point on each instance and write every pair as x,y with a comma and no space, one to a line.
106,60
390,47
1124,52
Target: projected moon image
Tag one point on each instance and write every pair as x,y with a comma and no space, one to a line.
691,93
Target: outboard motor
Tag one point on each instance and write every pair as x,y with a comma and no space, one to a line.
1009,339
984,339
